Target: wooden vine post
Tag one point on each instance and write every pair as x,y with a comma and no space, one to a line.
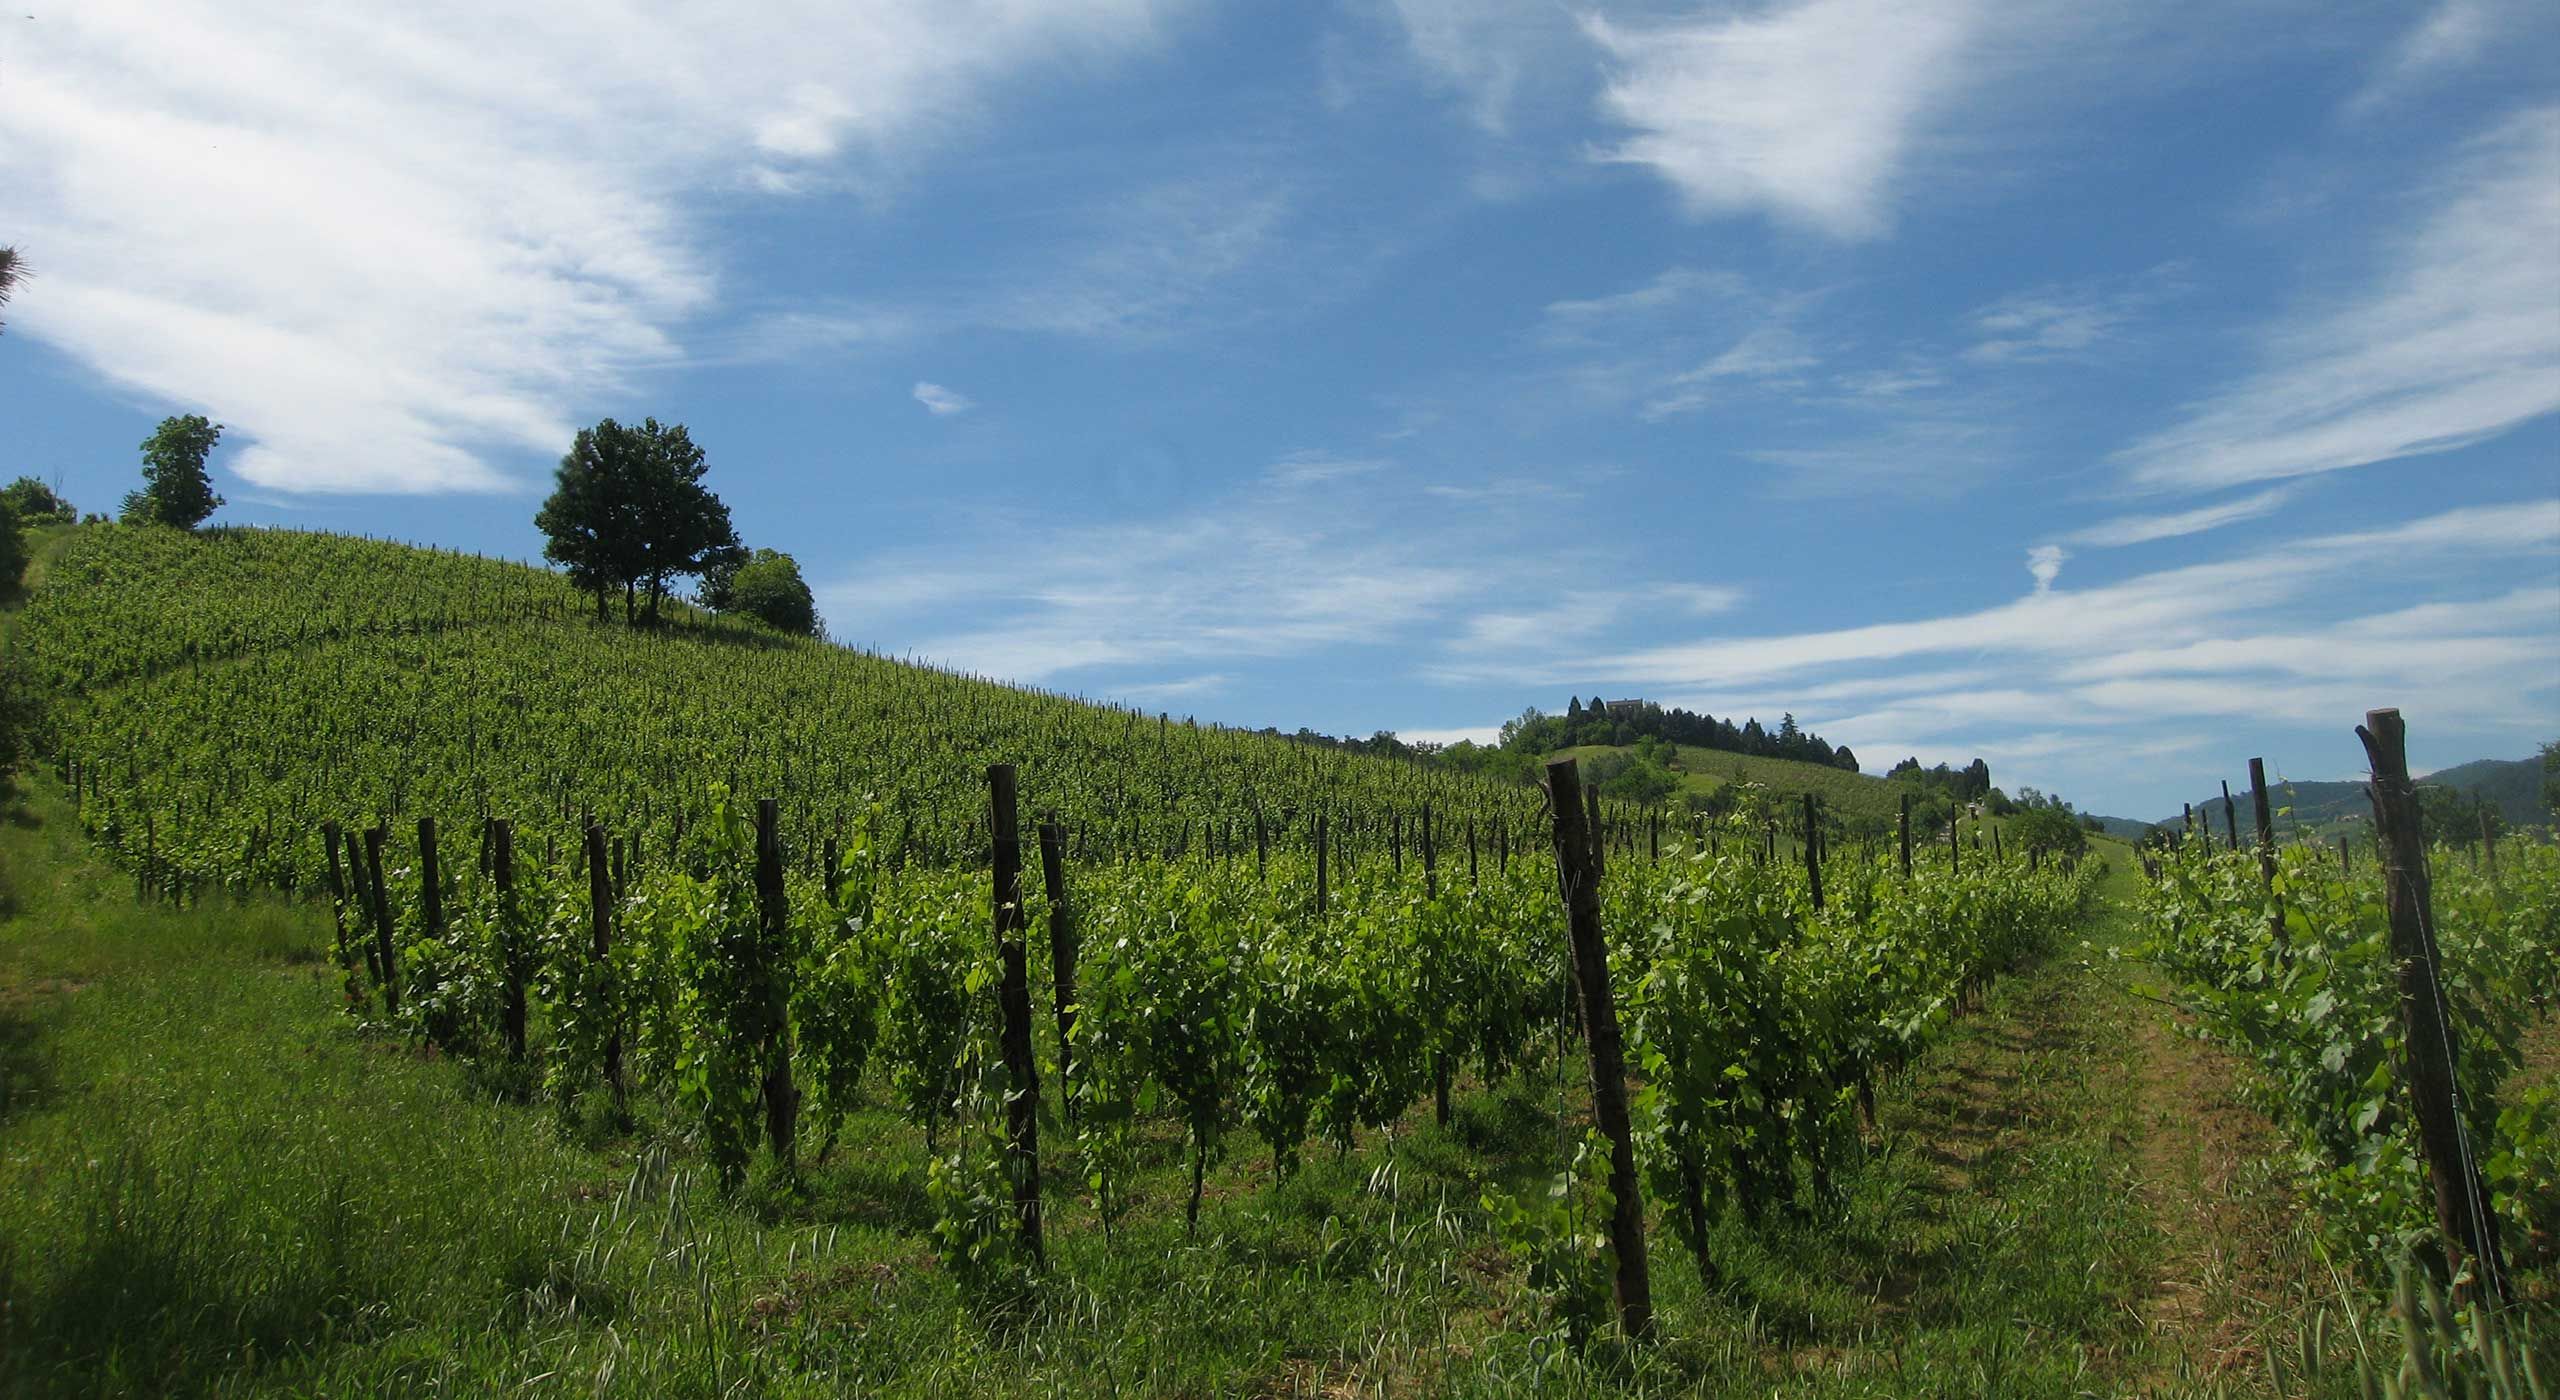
1812,853
1955,848
773,941
1013,994
1906,836
2431,1054
1578,866
386,960
511,949
337,896
430,881
1062,947
1320,862
2230,813
600,914
2258,809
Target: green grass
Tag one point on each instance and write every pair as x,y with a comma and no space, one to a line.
211,1184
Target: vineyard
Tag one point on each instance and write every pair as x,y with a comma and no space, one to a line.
716,918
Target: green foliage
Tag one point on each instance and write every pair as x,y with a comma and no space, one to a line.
2318,1014
2051,830
13,270
36,503
628,510
176,490
13,552
769,589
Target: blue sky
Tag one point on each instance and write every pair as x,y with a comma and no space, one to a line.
2111,395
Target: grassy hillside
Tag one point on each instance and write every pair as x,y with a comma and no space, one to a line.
309,677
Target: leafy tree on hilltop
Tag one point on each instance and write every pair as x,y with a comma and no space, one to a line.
629,510
36,503
176,490
720,565
769,589
13,270
13,550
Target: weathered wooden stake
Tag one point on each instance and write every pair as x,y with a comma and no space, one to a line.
773,927
1906,836
2258,811
430,881
1578,864
1320,865
2230,814
1812,854
337,895
1062,949
600,915
511,951
1022,1107
2429,1047
387,962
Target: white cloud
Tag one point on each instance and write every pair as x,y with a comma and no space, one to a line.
2456,340
2052,323
1141,263
1315,468
1487,50
1806,111
1768,354
2142,529
942,402
1185,688
389,252
2451,36
1467,734
2045,563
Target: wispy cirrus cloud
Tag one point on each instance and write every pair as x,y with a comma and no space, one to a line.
2254,637
1806,111
942,402
2125,530
2455,339
2061,322
389,253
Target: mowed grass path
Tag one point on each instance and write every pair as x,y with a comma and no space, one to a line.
210,1183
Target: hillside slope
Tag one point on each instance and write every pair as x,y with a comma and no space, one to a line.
309,677
2513,786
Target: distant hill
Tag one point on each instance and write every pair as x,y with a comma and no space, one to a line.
2513,786
2129,828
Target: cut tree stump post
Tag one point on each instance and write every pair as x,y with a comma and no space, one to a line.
1578,865
2429,1046
1062,948
773,942
430,881
511,951
337,895
386,959
600,917
1320,864
1022,1107
2258,811
1812,854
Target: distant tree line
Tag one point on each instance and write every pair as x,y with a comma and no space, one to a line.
1621,723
